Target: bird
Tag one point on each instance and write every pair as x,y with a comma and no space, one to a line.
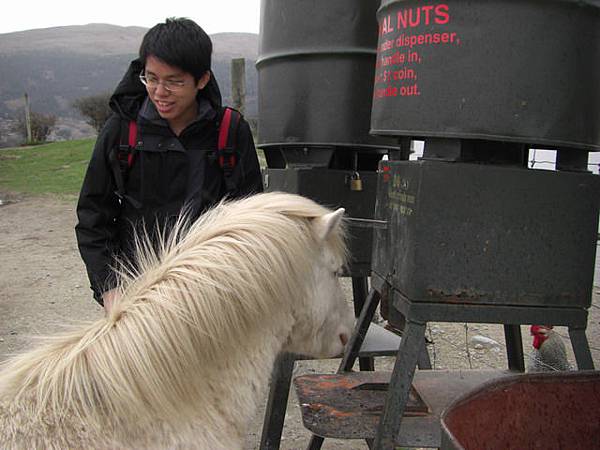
549,353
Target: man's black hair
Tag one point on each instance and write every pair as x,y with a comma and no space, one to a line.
181,43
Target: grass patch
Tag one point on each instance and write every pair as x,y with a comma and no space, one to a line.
56,168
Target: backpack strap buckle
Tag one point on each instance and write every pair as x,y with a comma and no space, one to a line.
227,160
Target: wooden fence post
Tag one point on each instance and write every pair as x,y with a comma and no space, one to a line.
28,120
238,84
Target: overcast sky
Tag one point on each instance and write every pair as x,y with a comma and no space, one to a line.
215,16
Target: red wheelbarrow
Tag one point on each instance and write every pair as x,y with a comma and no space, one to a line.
532,411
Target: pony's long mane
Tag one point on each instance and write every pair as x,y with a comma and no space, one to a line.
184,303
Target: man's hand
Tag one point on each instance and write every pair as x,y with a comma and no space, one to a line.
109,297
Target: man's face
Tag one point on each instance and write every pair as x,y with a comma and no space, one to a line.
173,91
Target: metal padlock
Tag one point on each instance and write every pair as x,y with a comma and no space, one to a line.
356,182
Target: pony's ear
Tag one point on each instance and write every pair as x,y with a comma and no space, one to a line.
325,224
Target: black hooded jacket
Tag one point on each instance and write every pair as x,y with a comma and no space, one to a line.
169,173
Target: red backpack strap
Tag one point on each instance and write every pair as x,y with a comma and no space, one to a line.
226,144
132,141
224,129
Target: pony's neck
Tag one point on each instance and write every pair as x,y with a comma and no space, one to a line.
239,380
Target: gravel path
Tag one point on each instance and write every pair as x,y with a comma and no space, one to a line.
43,286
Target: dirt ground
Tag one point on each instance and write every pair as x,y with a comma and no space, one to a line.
43,286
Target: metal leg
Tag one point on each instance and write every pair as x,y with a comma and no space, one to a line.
413,340
400,323
581,348
351,354
424,362
360,331
514,347
277,404
360,288
315,442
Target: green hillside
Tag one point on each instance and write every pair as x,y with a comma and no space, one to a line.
56,168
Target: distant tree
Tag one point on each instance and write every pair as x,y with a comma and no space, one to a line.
95,108
41,126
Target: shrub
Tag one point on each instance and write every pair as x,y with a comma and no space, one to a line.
41,126
95,109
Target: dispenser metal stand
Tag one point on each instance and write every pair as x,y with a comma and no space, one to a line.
468,242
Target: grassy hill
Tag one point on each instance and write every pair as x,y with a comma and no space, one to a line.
105,39
56,66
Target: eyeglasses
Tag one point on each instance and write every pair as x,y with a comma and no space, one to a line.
151,82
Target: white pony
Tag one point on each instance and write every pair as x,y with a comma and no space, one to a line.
182,358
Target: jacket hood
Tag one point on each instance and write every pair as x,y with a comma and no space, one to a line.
130,94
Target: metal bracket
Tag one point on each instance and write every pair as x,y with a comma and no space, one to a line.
367,223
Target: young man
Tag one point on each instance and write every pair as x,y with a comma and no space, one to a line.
171,94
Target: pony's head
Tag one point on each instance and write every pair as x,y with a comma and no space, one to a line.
323,320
